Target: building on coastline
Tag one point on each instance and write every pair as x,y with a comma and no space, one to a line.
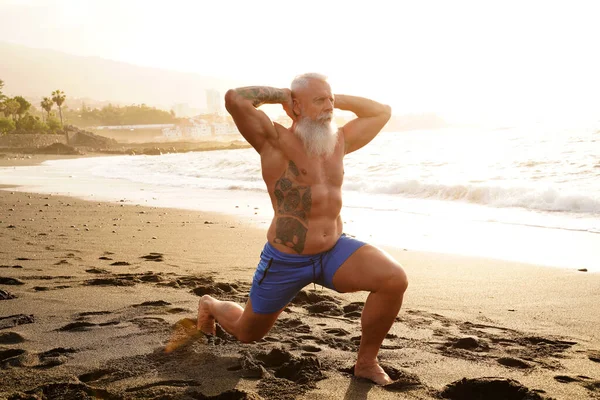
131,133
200,127
131,127
214,102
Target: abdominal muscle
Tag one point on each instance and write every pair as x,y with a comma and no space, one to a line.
317,233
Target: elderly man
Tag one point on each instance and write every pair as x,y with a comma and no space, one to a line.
303,169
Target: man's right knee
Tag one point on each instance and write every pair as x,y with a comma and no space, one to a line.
249,337
254,326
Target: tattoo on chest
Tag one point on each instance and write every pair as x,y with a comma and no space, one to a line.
294,202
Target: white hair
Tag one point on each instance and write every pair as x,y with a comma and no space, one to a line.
301,81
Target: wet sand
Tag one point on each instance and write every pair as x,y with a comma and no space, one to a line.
98,300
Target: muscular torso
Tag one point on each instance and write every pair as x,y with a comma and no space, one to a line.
306,194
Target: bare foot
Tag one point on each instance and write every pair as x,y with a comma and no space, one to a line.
372,372
206,323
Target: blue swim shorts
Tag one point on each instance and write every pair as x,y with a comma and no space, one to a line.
280,276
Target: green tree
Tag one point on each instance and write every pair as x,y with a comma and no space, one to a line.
6,125
24,106
53,124
32,124
1,86
47,104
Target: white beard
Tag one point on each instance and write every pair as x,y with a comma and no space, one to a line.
319,137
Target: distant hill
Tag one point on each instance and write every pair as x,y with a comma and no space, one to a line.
37,72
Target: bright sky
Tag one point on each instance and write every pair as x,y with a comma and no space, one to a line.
500,61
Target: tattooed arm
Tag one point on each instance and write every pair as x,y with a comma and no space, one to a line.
372,116
254,124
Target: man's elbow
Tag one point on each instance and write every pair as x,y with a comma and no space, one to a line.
230,98
386,111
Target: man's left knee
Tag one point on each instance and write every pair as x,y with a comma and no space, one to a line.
398,281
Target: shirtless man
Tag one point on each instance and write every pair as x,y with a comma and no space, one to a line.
302,167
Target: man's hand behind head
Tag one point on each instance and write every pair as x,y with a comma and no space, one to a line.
288,105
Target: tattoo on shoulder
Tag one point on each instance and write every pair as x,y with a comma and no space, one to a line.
293,202
261,94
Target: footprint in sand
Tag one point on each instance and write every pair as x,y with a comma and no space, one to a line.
215,289
88,313
77,326
336,331
567,379
10,281
11,338
156,257
7,354
284,365
592,386
354,306
489,389
310,348
5,295
94,375
151,277
14,320
513,362
339,343
109,282
71,391
594,356
178,310
585,381
120,263
353,315
325,307
155,303
97,271
172,382
23,358
271,339
468,343
292,324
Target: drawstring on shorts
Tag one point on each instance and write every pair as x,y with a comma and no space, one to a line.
320,277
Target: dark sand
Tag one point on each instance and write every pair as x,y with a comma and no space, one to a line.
98,300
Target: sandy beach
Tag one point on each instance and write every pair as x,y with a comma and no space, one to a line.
98,300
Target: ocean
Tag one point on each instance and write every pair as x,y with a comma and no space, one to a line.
529,194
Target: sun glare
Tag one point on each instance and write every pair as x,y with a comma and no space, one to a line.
467,61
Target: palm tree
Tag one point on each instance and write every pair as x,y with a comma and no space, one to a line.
58,96
47,104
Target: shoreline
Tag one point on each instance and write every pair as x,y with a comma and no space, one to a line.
554,247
